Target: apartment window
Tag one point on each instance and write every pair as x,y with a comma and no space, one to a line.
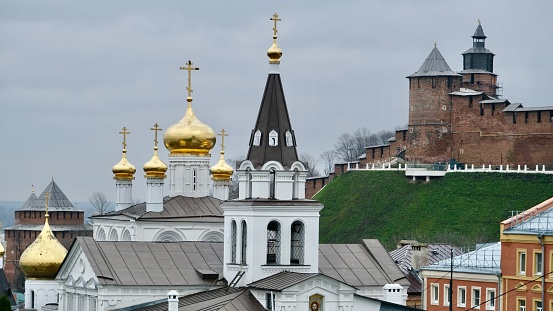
538,261
461,296
521,305
521,262
446,295
435,294
476,297
490,299
538,305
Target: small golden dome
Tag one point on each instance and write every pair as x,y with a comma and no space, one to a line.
274,52
221,170
124,169
155,168
2,250
42,259
189,136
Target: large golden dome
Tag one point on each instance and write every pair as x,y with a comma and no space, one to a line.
189,136
155,168
124,169
42,259
221,170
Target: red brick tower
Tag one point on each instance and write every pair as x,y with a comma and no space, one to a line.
478,66
66,222
429,137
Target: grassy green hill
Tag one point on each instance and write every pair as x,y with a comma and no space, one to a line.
460,208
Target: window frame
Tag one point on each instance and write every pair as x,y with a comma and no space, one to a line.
474,303
462,303
446,295
535,305
435,294
521,304
520,254
490,302
537,266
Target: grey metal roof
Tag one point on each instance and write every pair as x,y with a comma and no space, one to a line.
203,209
55,228
485,259
281,280
479,33
152,263
545,108
235,299
536,220
57,200
434,65
495,101
365,264
512,107
477,50
476,70
273,115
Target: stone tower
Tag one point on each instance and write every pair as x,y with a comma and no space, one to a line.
430,108
478,66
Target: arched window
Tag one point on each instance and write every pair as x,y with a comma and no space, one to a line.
257,138
233,241
272,179
113,236
297,243
273,242
101,235
126,236
244,242
273,138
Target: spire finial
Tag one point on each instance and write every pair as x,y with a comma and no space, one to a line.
155,129
223,140
479,22
124,139
435,44
189,87
32,188
46,197
276,19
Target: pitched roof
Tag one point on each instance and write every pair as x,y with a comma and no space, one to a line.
57,200
282,280
366,264
536,220
434,65
153,263
479,33
203,209
54,228
232,299
485,259
273,115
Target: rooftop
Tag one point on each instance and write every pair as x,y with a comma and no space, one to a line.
485,259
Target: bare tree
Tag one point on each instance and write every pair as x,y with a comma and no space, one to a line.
99,202
349,147
311,164
382,137
233,187
328,159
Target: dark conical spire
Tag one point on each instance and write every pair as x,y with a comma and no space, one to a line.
434,65
478,57
479,33
57,200
272,138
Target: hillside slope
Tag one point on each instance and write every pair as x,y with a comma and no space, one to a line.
460,208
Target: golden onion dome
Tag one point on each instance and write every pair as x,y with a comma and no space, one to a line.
155,168
274,52
124,169
189,136
221,170
2,250
42,259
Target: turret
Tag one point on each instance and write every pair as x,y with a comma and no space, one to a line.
155,175
123,175
478,65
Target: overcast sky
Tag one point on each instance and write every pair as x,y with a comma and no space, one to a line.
73,73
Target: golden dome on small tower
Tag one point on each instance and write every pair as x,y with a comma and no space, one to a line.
124,169
189,136
221,170
155,168
274,51
42,259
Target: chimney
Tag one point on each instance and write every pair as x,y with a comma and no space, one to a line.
173,301
392,293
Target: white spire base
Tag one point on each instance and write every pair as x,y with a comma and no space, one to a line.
221,189
273,68
123,193
189,175
154,202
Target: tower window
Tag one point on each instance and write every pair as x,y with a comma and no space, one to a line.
539,116
273,242
194,179
297,243
526,117
472,78
244,242
481,109
433,82
273,138
272,177
233,242
470,102
493,109
257,138
515,118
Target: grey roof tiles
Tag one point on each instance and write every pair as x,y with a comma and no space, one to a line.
57,200
434,65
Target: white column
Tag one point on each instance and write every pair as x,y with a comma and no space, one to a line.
123,193
221,189
154,202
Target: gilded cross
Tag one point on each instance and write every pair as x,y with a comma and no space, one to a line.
189,68
124,137
223,139
156,129
46,197
478,21
276,19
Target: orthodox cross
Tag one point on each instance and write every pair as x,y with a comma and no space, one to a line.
46,197
189,68
124,137
223,139
156,129
276,19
